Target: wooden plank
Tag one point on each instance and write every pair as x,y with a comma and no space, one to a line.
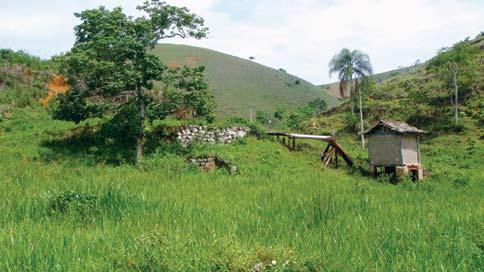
329,139
330,156
336,163
325,152
302,136
345,156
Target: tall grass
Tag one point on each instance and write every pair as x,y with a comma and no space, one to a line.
282,212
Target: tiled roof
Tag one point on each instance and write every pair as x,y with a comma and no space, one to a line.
397,126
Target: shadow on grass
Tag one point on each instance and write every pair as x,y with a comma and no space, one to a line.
90,146
87,145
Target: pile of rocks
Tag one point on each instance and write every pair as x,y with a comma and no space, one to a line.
208,163
210,135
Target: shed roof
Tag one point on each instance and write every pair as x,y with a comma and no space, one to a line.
397,126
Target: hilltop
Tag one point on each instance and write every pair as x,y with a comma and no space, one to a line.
240,84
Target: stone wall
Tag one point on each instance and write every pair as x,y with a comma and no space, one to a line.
210,135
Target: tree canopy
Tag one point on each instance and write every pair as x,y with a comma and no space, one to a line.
351,66
456,69
111,65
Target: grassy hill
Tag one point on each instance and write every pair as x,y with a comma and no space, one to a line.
240,84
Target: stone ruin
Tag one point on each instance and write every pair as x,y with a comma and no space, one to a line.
208,163
210,135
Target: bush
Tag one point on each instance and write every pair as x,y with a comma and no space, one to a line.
73,202
352,123
297,117
318,105
280,112
262,117
8,56
257,131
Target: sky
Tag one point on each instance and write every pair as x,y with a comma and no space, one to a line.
300,36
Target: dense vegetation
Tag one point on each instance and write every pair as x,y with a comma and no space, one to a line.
422,98
73,202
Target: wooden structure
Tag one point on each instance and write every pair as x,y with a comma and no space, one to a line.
394,147
330,154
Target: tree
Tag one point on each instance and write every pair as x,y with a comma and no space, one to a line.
112,56
351,66
454,66
280,112
262,117
318,105
298,116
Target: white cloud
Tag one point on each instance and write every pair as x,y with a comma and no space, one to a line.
300,36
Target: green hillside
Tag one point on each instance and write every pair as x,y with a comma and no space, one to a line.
240,84
420,98
332,88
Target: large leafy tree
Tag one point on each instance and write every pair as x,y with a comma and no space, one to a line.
351,67
455,67
112,58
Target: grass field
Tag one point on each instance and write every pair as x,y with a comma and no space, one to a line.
70,211
239,84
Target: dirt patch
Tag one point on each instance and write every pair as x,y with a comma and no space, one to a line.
57,85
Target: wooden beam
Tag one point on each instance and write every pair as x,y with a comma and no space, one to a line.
345,156
325,152
329,139
303,136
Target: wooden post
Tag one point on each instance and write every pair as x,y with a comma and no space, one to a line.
325,152
336,160
372,171
293,144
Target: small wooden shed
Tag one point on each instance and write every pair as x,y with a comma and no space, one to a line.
394,146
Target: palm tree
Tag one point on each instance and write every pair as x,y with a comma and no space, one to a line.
351,66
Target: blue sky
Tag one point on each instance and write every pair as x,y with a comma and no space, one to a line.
300,36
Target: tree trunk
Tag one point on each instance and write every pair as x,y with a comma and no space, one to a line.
352,96
141,134
361,115
456,89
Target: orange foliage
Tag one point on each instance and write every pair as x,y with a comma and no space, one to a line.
57,85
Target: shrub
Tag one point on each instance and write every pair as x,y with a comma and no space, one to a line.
280,112
352,123
318,105
258,131
262,117
73,202
297,117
